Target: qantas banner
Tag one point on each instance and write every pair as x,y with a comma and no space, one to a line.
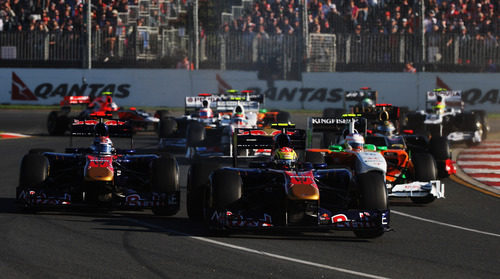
316,91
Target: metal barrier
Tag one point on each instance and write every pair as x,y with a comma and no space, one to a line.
274,56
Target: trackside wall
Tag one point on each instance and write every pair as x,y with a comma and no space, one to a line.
168,87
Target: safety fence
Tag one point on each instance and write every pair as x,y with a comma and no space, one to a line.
274,56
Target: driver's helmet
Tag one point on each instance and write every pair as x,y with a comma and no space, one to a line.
367,102
102,145
439,106
206,113
386,128
239,119
282,140
285,158
354,142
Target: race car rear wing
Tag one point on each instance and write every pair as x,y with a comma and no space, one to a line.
380,112
224,102
75,100
452,98
344,125
244,139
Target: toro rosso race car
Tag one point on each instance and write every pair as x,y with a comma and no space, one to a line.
99,175
406,175
446,118
58,122
285,193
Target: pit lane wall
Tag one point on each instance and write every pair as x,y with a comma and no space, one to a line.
168,87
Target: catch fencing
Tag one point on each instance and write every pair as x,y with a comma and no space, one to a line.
274,56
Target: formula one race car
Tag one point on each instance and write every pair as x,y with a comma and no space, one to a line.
99,175
59,122
406,175
384,129
447,118
282,192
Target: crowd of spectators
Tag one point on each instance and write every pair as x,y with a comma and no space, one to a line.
370,16
58,15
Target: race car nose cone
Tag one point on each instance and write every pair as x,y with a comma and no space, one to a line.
303,192
99,174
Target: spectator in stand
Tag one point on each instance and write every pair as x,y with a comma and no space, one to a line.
409,68
185,64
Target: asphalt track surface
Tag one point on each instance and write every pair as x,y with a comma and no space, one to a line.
458,237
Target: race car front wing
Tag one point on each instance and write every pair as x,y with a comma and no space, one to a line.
417,189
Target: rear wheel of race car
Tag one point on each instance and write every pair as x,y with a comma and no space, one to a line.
314,157
34,171
40,150
196,184
56,123
415,122
167,127
473,123
484,122
163,113
195,134
440,148
283,117
425,170
372,196
165,179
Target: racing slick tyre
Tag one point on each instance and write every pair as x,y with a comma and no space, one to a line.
167,127
196,184
440,148
372,196
473,123
484,122
425,170
165,179
163,113
195,134
226,188
283,117
40,150
314,157
56,124
34,171
333,112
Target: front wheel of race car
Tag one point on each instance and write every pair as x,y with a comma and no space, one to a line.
56,123
226,189
425,170
198,178
165,180
372,196
34,171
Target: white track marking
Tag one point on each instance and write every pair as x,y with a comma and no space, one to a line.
474,163
474,170
443,224
258,252
479,156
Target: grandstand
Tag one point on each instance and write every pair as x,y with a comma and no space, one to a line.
279,38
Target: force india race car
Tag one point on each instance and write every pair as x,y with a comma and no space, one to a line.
100,175
58,122
267,195
384,130
447,118
412,176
